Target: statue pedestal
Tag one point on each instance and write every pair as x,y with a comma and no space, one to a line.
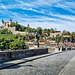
35,46
61,49
57,49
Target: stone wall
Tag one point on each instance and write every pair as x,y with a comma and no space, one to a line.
13,30
10,55
19,32
2,28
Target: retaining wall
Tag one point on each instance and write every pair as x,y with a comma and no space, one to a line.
10,55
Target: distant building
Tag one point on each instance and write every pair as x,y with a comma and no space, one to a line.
6,24
68,36
55,34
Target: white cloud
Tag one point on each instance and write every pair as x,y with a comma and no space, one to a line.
67,6
65,17
3,7
59,26
62,22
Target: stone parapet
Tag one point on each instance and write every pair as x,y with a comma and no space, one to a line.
17,54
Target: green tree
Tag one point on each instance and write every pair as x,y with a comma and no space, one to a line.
72,33
17,36
39,30
65,32
18,26
6,31
17,44
57,39
11,43
52,30
62,39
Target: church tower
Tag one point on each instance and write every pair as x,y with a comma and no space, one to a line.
10,21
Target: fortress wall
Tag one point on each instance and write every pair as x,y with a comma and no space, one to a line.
12,29
22,33
2,28
18,32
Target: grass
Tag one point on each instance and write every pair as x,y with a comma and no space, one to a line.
5,35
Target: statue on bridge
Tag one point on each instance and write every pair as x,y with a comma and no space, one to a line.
36,40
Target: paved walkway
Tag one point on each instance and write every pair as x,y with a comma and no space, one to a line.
69,69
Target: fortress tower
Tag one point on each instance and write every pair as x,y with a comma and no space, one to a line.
10,21
6,24
2,23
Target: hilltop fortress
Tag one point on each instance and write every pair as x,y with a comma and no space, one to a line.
5,25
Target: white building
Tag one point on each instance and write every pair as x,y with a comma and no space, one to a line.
55,34
6,24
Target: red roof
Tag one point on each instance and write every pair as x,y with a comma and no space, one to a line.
41,43
6,22
29,42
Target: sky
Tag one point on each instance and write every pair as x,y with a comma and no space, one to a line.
59,14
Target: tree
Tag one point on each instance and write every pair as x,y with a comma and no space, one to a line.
65,32
72,33
18,26
39,30
73,36
57,39
47,31
6,31
33,30
52,30
17,44
28,29
11,43
2,45
72,39
62,39
17,36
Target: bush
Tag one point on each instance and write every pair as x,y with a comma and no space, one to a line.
11,43
6,31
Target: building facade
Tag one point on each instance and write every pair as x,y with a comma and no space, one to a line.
55,34
6,24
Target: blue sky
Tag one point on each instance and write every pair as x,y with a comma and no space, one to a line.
59,14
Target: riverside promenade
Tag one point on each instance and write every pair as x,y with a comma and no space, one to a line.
61,63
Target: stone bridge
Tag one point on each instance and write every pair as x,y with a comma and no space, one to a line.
50,65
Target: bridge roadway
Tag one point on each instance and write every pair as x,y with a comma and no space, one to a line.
51,65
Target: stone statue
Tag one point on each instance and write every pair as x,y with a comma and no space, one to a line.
37,39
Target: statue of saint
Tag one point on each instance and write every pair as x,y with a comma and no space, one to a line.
37,39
